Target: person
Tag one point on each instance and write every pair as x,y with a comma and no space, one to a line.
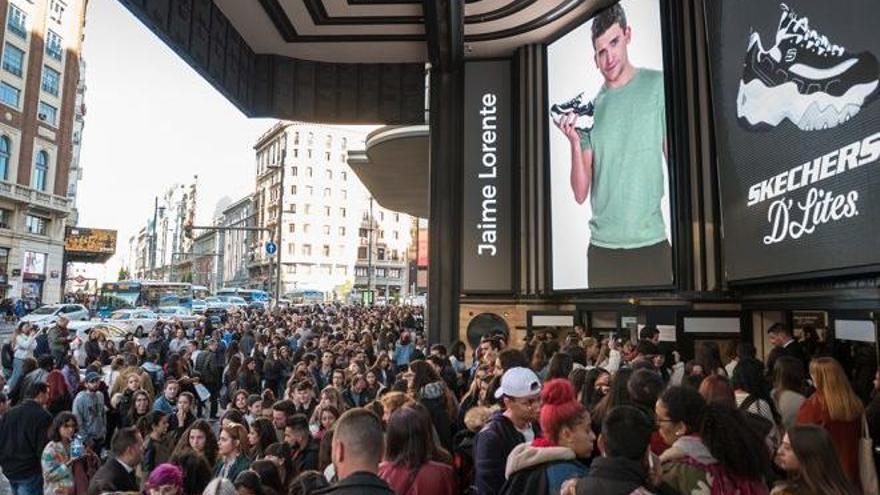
628,240
428,388
140,406
117,474
261,435
789,384
166,479
357,449
157,444
269,476
183,416
200,439
808,457
59,339
56,457
167,401
24,431
198,471
248,483
624,443
304,398
304,447
835,407
408,467
209,364
307,483
712,446
220,486
281,411
279,453
24,342
784,344
91,412
544,464
232,450
520,394
752,394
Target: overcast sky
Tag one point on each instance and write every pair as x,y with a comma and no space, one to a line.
152,121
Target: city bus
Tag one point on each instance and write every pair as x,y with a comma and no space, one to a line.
249,295
153,294
200,292
300,297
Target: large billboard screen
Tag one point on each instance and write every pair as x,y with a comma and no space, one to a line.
82,244
608,169
794,90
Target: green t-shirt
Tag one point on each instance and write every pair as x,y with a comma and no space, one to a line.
629,127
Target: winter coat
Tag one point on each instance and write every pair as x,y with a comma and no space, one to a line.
432,478
91,413
113,477
844,434
540,468
57,475
23,430
492,445
360,483
433,397
612,476
689,468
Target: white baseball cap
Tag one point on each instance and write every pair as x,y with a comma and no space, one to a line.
518,382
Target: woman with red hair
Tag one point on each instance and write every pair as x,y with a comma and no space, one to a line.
540,467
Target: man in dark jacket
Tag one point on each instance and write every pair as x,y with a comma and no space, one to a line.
303,445
117,474
624,443
784,345
357,448
520,392
23,433
209,365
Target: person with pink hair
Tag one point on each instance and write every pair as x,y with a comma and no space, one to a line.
166,479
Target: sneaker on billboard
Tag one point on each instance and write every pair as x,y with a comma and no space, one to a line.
804,78
575,106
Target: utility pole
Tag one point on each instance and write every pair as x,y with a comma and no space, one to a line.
278,249
370,249
153,235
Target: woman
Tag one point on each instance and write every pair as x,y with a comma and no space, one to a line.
121,402
384,371
618,395
327,416
835,407
248,483
560,366
157,444
716,389
457,357
239,401
199,438
166,479
248,378
752,393
24,341
141,403
807,456
279,453
184,417
550,460
373,385
789,383
272,370
408,467
391,402
596,385
232,450
269,476
56,460
426,387
198,471
712,446
260,436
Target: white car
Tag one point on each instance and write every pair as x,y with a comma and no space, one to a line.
82,329
171,314
49,314
236,303
140,322
215,302
199,306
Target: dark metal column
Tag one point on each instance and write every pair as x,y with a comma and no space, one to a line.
444,26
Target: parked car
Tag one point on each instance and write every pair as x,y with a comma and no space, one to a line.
236,303
47,315
199,306
138,321
215,302
82,330
171,314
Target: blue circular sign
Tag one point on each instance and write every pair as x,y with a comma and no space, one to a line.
271,248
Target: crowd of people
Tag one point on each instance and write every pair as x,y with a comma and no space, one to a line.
353,400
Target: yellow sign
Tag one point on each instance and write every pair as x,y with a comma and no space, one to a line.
91,241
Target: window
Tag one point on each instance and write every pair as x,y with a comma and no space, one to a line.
326,211
53,45
325,251
381,234
9,95
4,156
381,216
309,153
13,60
362,253
394,273
327,156
293,171
56,10
310,191
51,79
342,212
344,143
328,141
5,222
291,268
363,233
311,139
291,248
380,253
47,113
296,137
306,228
308,210
296,153
17,23
341,231
307,250
293,207
396,235
41,171
326,192
344,194
380,272
342,270
326,230
344,176
36,225
329,174
360,271
292,228
397,217
308,171
394,256
293,189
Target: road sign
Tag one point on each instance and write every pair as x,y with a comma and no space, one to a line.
367,297
271,248
80,279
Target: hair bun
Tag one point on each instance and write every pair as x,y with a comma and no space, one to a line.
557,392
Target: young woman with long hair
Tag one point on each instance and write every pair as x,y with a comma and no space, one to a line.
789,384
595,387
141,404
835,407
808,457
426,387
200,439
232,450
260,436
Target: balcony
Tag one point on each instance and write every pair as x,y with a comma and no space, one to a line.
38,199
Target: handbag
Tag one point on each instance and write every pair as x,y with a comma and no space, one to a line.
867,468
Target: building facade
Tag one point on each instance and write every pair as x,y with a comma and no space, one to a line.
39,81
204,260
303,179
235,247
384,241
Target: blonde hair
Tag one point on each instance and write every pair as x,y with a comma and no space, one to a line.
477,417
832,385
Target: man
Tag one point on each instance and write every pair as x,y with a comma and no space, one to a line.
356,395
59,340
91,413
520,394
209,365
168,400
304,398
117,474
356,451
178,342
281,411
23,433
618,164
783,344
301,442
623,467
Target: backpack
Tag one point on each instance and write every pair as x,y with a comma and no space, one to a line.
7,355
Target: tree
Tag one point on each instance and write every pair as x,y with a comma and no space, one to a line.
123,274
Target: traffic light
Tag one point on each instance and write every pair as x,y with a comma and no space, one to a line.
188,229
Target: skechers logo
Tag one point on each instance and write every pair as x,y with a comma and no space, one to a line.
791,54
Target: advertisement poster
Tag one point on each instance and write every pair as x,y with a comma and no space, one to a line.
797,122
609,180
